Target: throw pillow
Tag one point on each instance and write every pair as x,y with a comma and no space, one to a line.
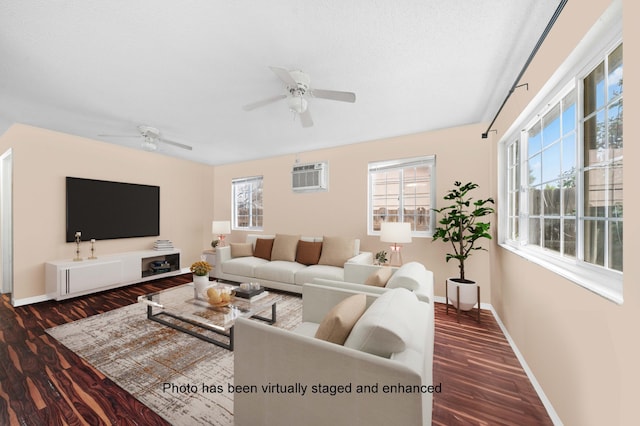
338,322
379,278
336,251
263,248
284,247
241,249
308,252
408,276
387,326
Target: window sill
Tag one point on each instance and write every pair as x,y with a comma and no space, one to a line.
607,284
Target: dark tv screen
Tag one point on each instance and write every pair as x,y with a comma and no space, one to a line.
105,210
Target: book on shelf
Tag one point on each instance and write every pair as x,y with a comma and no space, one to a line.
163,245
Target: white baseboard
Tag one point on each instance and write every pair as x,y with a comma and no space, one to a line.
543,397
30,300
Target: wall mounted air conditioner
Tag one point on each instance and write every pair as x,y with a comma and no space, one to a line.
309,177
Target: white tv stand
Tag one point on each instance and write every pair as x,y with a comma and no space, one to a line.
67,278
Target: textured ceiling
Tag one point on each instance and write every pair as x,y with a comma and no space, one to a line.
96,67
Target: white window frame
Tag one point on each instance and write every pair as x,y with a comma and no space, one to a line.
601,40
400,164
235,184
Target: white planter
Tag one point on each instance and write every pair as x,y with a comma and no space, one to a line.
200,284
468,293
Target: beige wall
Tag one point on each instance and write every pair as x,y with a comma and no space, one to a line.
461,154
582,348
42,159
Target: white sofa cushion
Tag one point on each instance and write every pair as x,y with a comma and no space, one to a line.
244,266
387,326
312,272
278,270
408,276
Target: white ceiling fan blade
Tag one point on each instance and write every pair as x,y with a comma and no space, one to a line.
178,144
334,95
118,136
284,75
305,118
263,102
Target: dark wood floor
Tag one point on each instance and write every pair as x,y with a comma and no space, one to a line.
43,383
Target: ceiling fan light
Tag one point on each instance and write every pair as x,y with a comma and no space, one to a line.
297,104
149,144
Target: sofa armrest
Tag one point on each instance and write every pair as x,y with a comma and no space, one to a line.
364,257
359,272
265,355
355,287
223,254
317,300
424,294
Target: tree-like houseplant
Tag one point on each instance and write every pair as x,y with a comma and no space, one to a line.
460,225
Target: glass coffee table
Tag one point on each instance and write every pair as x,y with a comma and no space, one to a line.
178,308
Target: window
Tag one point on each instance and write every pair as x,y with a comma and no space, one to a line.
247,203
561,178
402,191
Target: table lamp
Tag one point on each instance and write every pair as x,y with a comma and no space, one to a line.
395,232
221,228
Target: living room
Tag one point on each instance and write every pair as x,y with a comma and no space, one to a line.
575,342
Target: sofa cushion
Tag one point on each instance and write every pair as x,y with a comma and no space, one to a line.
408,276
284,247
278,270
379,277
336,251
243,266
338,322
263,248
308,274
241,249
387,326
308,253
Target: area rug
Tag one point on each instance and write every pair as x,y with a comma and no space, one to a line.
183,379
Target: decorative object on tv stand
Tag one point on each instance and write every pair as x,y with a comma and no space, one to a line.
93,249
200,271
395,232
220,228
461,227
78,235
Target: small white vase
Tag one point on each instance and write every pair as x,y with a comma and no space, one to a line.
200,284
468,293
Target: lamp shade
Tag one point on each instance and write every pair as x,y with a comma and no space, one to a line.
395,232
220,227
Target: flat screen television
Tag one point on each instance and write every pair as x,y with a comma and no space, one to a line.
105,210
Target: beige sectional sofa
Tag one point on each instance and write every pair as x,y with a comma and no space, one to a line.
387,356
286,262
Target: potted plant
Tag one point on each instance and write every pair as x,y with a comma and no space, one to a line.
460,225
200,271
381,257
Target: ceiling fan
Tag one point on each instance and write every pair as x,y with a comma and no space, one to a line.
151,138
297,90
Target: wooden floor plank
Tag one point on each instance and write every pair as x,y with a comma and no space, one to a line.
42,382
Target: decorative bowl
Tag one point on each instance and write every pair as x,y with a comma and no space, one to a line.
219,295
